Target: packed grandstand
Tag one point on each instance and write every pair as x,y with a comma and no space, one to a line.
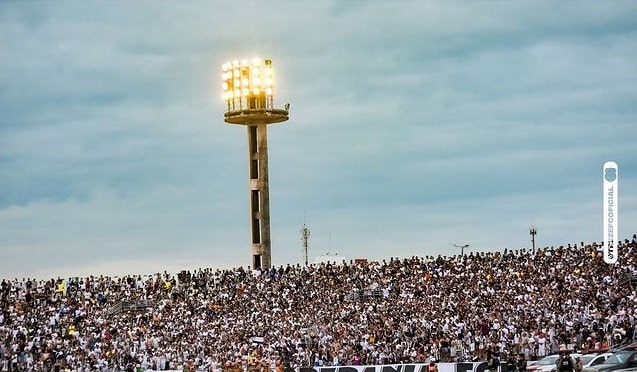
408,310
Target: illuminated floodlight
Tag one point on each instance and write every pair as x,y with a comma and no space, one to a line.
248,84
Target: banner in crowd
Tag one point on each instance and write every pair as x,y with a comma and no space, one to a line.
442,367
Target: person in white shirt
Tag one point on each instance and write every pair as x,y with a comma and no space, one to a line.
541,346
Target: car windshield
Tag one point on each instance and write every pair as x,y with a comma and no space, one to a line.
616,358
587,359
547,360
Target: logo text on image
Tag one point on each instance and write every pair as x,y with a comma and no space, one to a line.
610,197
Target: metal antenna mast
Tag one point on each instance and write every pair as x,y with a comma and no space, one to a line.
305,237
533,232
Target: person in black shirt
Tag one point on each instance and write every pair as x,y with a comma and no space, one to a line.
493,362
511,363
565,363
520,363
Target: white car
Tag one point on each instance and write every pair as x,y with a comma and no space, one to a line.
547,364
589,360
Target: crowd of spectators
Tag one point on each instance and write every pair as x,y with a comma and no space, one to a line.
408,310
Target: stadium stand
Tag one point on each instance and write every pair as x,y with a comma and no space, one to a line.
409,310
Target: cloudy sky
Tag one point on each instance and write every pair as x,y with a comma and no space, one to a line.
414,126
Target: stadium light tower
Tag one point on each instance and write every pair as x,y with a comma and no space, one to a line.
462,247
248,88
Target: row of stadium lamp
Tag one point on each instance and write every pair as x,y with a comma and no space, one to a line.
245,79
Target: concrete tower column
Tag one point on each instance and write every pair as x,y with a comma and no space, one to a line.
259,195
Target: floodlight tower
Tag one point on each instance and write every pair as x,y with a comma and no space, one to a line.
462,247
248,93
